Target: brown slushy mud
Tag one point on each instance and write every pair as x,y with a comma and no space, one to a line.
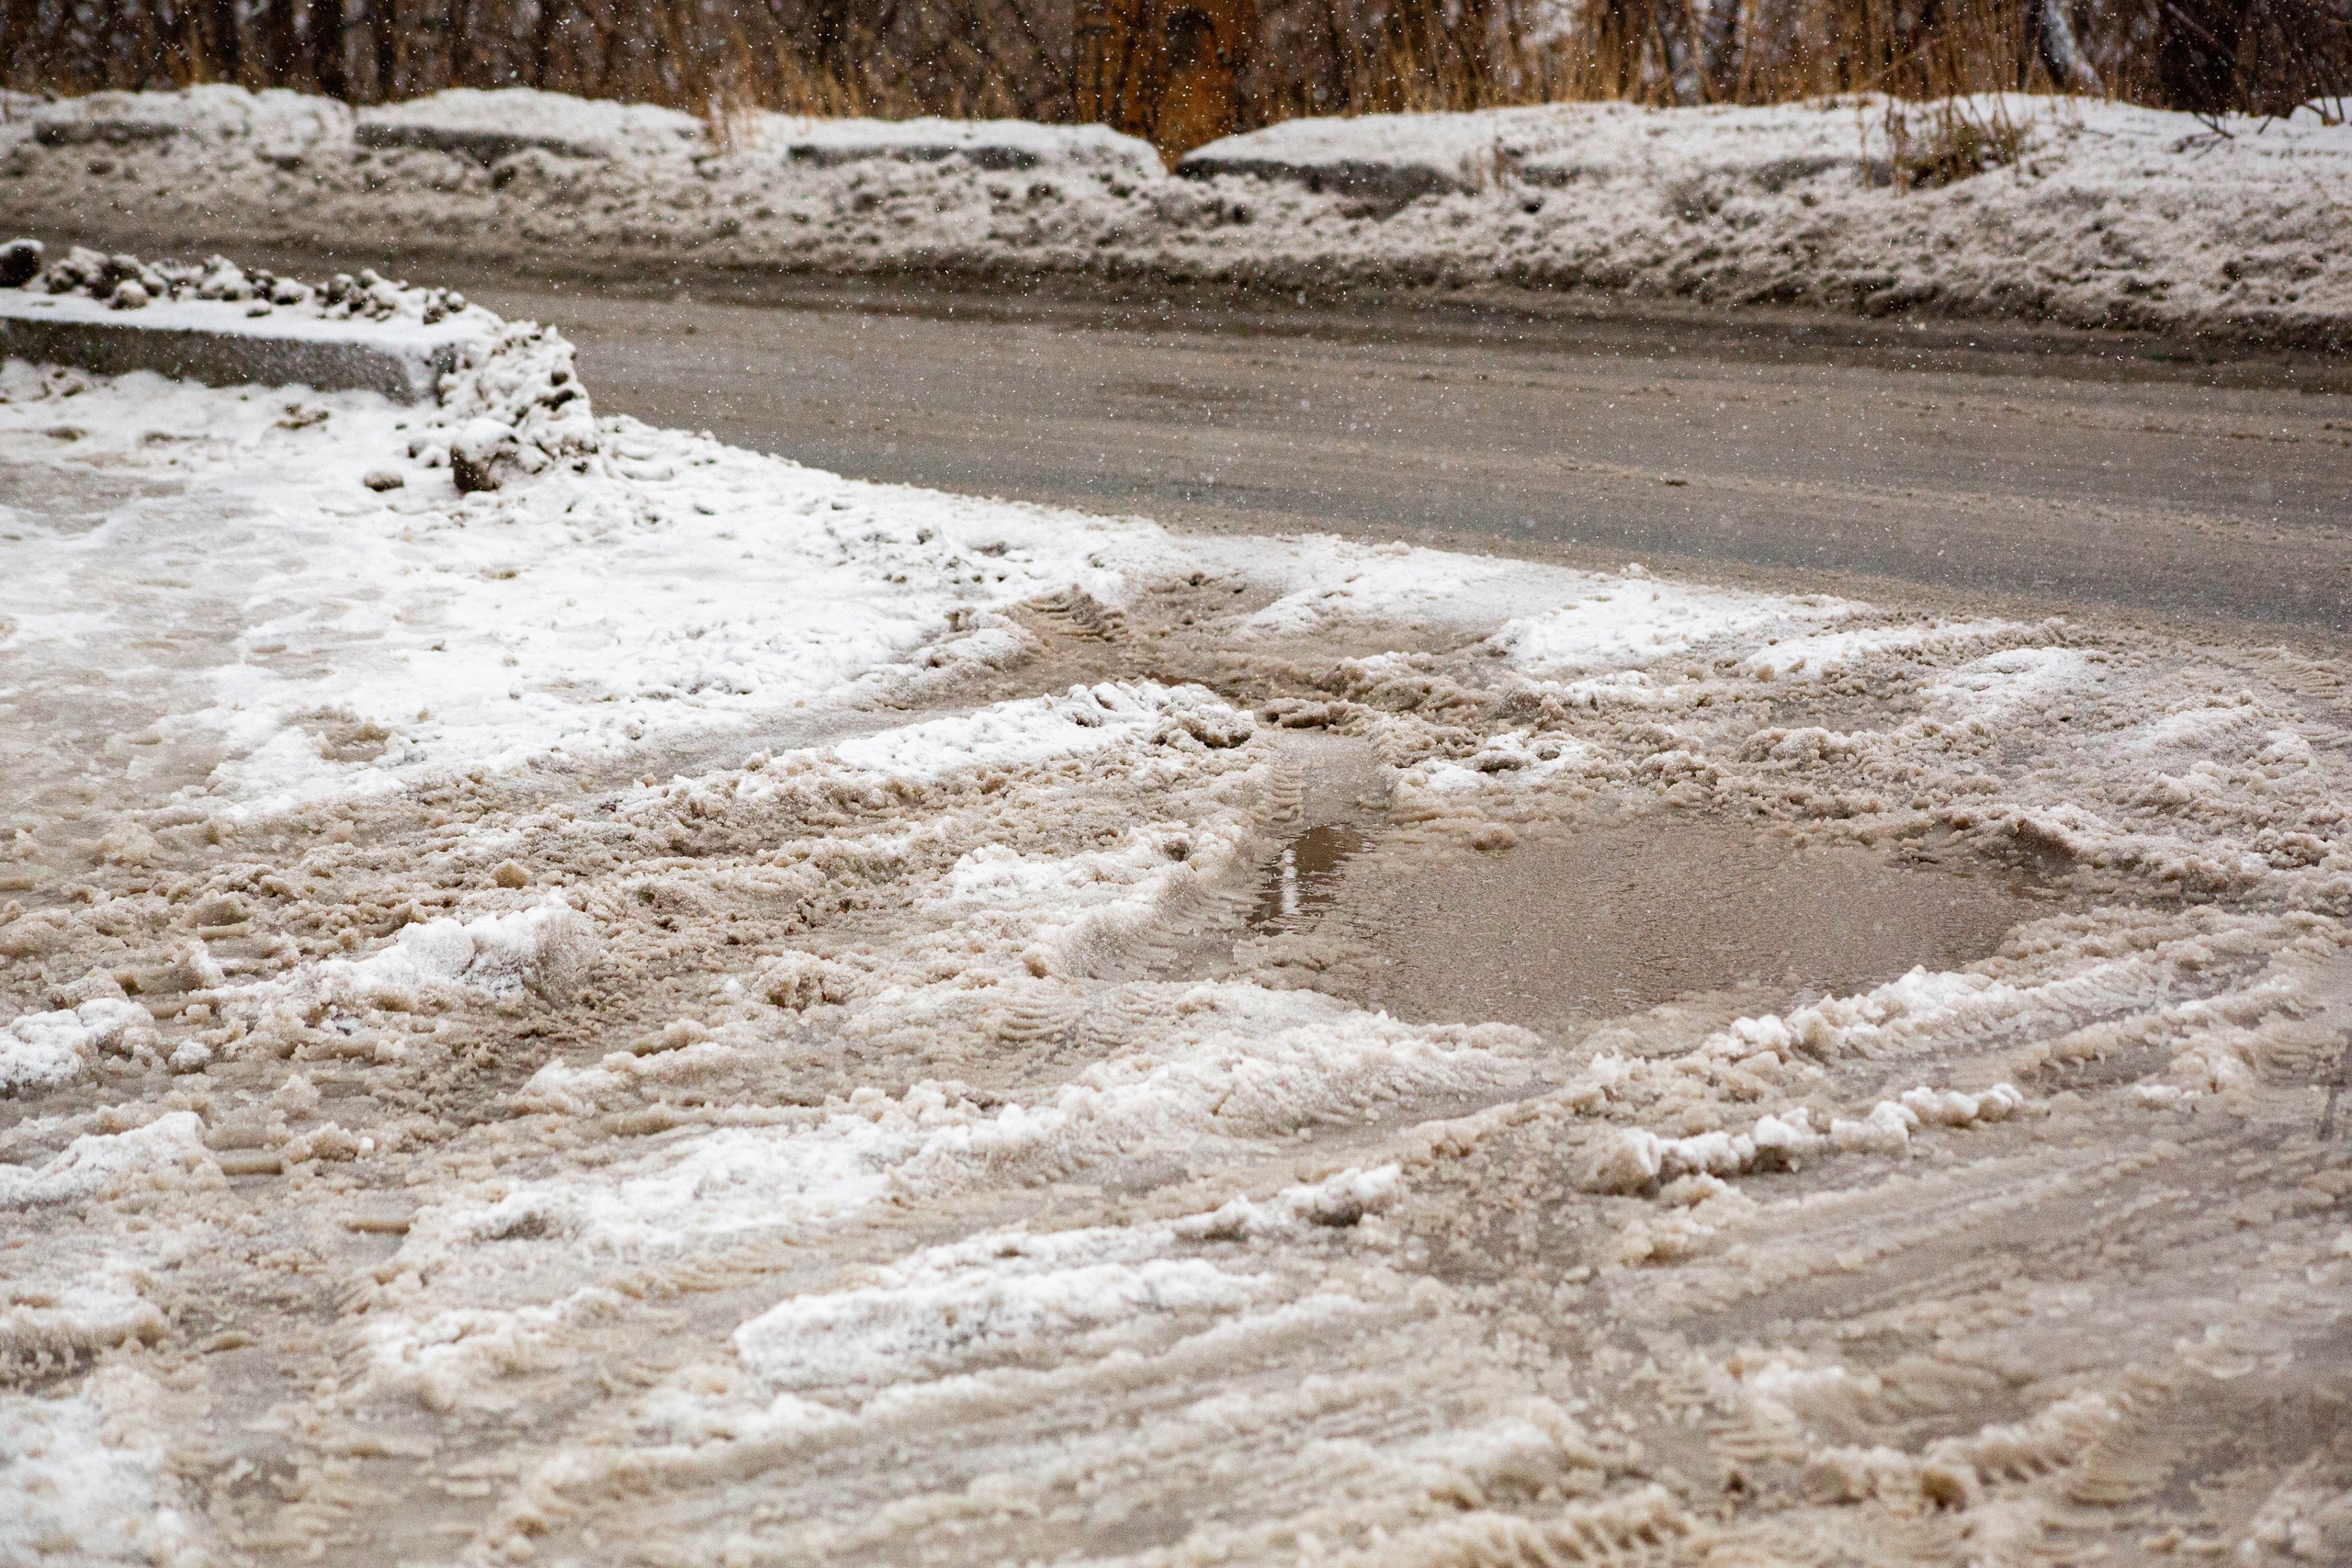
1262,1066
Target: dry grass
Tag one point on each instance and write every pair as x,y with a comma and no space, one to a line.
1951,140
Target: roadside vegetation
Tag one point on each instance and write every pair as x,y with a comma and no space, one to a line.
897,59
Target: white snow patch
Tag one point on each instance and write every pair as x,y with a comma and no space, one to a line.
489,124
42,1050
987,1298
547,948
1032,729
2004,683
100,1163
1634,621
1826,653
987,144
75,1486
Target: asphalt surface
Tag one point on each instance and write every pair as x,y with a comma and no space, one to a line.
1983,467
2036,474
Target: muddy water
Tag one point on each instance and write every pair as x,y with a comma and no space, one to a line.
1306,877
1614,919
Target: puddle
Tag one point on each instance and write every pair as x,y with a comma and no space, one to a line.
1617,919
1305,877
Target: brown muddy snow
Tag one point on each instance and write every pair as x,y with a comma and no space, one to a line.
1166,1093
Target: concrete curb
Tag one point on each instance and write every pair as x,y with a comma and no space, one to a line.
180,340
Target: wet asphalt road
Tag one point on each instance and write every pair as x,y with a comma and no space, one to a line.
1971,468
2019,473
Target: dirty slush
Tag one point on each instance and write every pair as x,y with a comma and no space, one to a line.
665,1007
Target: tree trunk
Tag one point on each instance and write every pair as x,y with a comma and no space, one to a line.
2197,53
1677,37
383,44
328,42
2061,56
1719,48
225,40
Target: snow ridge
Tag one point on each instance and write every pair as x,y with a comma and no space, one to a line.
2109,216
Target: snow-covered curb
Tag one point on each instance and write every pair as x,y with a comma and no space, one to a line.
2110,216
208,341
214,322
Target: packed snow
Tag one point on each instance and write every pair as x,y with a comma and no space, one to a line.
2093,214
655,1004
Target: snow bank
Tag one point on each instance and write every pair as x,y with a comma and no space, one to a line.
275,124
2110,216
1388,158
489,125
994,145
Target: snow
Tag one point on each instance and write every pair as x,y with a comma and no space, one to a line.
990,1297
41,1050
2113,215
1637,622
989,144
276,122
72,1490
677,586
807,1191
98,1163
1033,730
492,125
195,330
1823,654
546,949
360,639
227,317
